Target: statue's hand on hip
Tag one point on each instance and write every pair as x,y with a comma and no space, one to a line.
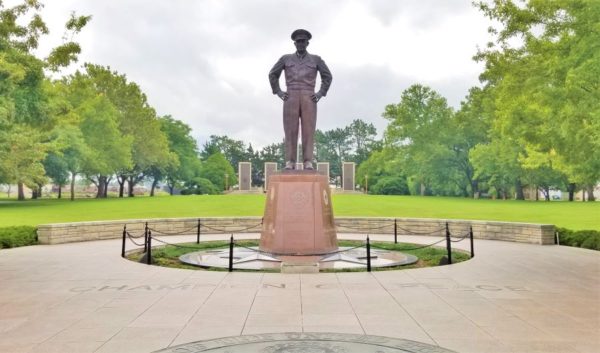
283,95
316,97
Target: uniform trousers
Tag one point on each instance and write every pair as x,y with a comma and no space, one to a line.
299,110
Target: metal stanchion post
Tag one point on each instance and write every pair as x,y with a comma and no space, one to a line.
231,253
149,253
395,231
448,246
368,255
146,237
198,233
123,245
471,236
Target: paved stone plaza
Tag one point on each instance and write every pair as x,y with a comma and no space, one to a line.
83,297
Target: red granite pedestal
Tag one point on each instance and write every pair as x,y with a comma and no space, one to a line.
298,216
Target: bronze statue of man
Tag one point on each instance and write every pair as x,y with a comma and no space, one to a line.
300,100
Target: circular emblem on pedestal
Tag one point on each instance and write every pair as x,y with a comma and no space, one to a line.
299,198
325,198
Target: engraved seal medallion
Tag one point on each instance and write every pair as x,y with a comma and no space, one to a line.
299,198
305,342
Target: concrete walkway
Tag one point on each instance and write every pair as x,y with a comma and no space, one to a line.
83,297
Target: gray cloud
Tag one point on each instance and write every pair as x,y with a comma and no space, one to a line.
178,52
421,13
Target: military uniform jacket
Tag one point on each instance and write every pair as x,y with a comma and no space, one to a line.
300,73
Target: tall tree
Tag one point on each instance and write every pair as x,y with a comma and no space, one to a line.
470,127
22,155
136,119
57,170
333,146
497,163
108,149
363,136
383,164
234,151
23,102
544,67
184,146
418,125
273,153
217,169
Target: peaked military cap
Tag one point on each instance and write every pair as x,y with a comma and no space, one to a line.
301,32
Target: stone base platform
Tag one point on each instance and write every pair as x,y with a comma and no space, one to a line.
298,216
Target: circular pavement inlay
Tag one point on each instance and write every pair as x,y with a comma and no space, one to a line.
306,343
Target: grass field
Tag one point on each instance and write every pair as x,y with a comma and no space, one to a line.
572,215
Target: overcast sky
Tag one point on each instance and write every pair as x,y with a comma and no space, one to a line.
205,62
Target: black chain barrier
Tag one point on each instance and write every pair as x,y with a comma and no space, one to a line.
196,229
175,245
410,232
459,238
149,252
135,236
183,232
225,230
423,246
131,238
394,225
365,228
148,240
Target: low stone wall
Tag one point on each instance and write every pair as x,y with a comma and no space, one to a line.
508,231
85,231
99,230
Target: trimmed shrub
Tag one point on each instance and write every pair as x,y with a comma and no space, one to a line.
12,237
201,186
205,186
390,185
588,239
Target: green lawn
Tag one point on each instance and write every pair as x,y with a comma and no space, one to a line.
573,215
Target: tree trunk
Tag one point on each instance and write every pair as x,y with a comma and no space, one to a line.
153,186
8,191
537,193
131,185
21,192
590,191
546,191
34,194
73,186
422,189
107,182
121,181
519,190
171,187
59,191
571,189
101,187
475,189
